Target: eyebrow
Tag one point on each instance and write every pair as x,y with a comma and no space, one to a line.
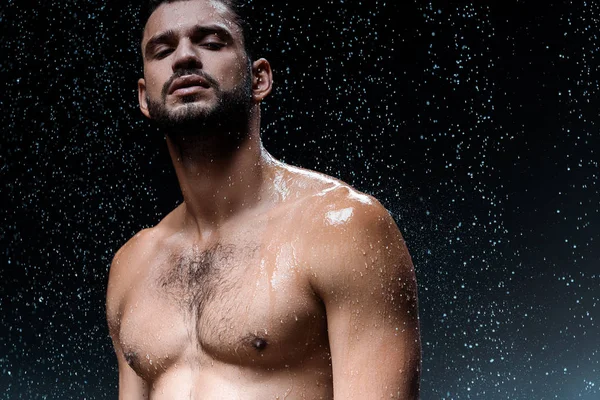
196,31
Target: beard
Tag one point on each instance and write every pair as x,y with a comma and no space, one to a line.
226,120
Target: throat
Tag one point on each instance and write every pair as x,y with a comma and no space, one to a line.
207,147
218,184
217,189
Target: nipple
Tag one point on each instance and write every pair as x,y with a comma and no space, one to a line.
259,344
130,357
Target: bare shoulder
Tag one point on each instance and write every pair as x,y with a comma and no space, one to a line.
359,267
346,234
123,270
138,246
143,245
130,263
348,221
334,207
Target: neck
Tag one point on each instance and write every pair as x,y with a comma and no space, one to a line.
220,173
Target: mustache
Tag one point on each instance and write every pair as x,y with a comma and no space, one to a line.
183,72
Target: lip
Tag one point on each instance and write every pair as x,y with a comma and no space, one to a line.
188,83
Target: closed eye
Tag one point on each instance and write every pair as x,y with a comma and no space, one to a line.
213,45
162,53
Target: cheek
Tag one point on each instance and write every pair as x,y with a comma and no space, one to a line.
155,81
231,70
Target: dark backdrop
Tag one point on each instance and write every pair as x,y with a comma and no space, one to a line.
475,124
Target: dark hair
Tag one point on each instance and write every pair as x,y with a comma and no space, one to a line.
239,8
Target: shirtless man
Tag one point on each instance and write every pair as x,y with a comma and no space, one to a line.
268,281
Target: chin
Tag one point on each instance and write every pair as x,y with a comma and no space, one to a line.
189,111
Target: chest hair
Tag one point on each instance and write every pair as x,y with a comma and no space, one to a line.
209,277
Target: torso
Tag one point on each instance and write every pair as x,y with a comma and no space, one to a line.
233,318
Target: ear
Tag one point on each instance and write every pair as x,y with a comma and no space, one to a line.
142,99
262,79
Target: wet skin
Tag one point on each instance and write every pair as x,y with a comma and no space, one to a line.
268,281
250,320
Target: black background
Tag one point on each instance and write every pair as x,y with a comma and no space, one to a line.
474,123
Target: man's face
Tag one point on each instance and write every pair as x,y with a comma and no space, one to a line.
195,66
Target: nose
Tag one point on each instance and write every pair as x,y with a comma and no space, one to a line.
186,56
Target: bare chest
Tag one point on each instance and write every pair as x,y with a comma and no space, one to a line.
242,305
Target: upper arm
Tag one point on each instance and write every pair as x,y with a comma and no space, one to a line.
367,283
131,386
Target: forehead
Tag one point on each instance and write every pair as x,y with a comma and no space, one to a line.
181,15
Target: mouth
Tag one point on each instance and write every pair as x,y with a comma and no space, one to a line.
188,84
